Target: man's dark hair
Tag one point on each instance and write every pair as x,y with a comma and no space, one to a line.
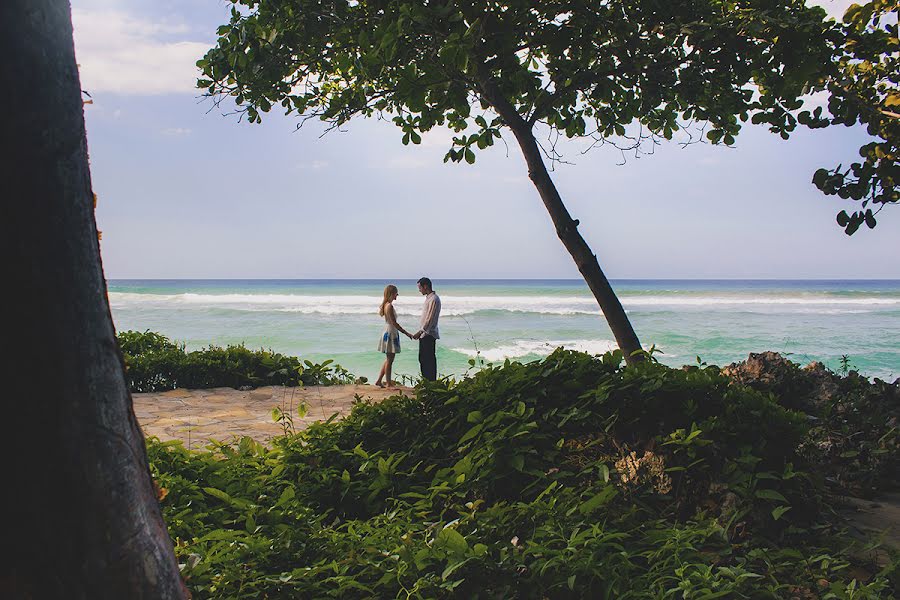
425,282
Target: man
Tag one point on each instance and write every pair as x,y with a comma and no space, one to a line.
428,330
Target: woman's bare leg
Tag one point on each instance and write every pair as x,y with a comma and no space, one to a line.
388,365
384,366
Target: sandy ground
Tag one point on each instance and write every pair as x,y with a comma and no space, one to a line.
223,414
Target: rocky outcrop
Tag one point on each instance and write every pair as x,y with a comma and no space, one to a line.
807,389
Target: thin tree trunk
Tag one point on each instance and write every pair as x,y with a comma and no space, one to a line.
81,518
566,226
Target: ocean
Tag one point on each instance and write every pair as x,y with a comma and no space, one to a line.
719,321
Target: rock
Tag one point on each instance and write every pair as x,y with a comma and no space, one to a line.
824,383
771,372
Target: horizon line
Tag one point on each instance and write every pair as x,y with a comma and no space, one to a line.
577,279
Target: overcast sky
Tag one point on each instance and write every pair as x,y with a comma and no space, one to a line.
185,192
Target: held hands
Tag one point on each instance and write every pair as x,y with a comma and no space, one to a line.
416,336
408,334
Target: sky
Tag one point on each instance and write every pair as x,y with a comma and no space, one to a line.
185,191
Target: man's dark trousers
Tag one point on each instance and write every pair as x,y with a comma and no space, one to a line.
427,358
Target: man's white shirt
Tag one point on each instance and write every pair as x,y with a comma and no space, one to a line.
430,313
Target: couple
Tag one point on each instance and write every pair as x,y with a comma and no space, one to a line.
427,334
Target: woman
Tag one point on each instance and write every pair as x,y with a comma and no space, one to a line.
390,339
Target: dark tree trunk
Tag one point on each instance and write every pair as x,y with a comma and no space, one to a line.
566,226
80,518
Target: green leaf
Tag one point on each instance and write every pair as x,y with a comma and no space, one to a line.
517,462
870,219
779,510
601,499
453,567
819,177
471,433
770,495
286,496
604,473
218,494
452,540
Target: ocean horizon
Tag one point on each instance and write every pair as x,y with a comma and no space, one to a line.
491,320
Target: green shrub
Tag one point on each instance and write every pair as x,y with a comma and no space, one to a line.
136,342
572,477
153,364
855,438
855,423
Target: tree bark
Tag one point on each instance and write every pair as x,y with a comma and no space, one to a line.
81,517
566,226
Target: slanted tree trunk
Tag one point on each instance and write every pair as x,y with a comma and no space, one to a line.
80,514
566,226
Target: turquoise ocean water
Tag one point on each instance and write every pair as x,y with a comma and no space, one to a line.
719,321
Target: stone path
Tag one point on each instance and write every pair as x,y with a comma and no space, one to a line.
223,414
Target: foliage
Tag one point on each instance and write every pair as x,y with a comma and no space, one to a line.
854,439
153,363
567,477
864,90
618,72
657,63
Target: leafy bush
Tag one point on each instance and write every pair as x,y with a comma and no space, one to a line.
153,363
134,343
568,477
856,437
855,433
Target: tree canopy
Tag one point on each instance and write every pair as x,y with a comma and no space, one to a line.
585,68
864,89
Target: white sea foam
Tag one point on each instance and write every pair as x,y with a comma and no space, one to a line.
741,300
522,348
466,305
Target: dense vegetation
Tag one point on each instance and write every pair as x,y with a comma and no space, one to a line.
153,363
569,477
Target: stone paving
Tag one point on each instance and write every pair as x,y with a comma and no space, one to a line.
197,416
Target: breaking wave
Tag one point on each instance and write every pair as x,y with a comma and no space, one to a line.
466,305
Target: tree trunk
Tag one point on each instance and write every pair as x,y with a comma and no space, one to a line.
81,518
566,226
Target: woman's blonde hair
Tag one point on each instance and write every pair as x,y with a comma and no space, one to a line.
389,291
